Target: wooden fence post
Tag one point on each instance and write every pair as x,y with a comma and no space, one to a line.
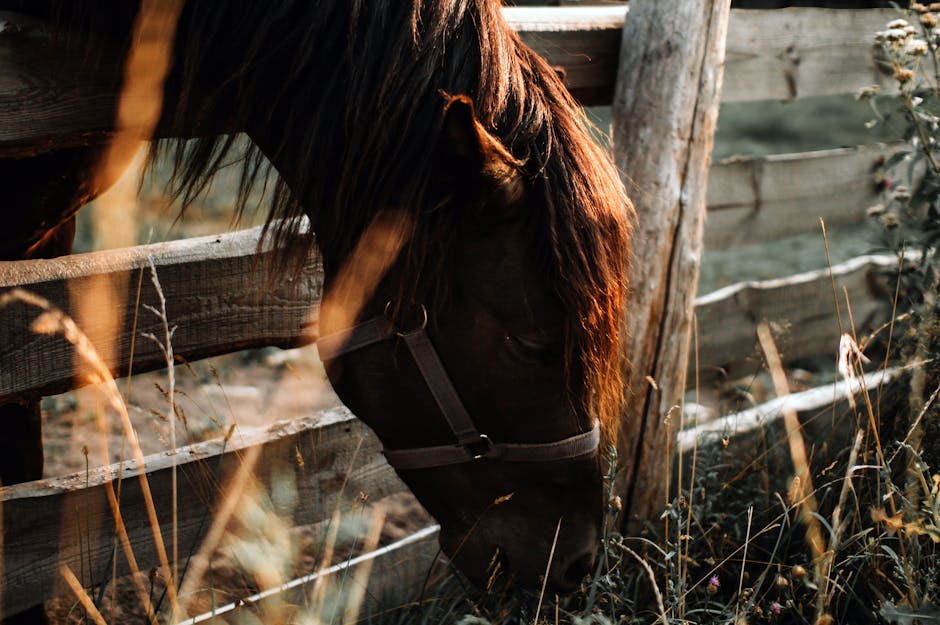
665,109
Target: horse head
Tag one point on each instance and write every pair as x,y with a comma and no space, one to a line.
514,477
474,247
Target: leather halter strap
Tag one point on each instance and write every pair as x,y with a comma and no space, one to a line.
471,444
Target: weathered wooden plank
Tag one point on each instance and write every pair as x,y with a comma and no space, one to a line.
583,42
777,54
758,199
221,295
749,451
220,306
801,309
329,458
398,573
794,53
52,98
48,97
740,424
48,100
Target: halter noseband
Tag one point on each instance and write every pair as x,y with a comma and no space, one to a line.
471,444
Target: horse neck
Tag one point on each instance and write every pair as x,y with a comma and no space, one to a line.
343,178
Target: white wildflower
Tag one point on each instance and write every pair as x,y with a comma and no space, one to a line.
916,47
898,23
893,34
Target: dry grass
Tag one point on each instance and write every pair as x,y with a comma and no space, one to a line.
754,544
250,527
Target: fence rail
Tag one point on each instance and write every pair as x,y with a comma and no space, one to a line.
770,55
757,199
68,520
780,54
220,305
223,296
804,309
398,570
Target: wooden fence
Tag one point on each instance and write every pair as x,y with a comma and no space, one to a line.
778,54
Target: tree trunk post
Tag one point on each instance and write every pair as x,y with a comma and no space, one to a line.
664,115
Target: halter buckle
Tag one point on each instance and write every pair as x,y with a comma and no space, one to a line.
479,448
421,317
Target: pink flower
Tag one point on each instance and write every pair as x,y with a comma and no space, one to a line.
713,585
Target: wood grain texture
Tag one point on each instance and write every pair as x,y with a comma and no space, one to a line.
783,54
665,109
221,294
801,309
328,460
726,318
778,54
760,199
583,42
48,101
49,97
738,425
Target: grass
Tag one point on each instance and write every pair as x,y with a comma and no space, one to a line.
740,551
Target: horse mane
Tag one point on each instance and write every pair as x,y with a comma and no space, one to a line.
358,85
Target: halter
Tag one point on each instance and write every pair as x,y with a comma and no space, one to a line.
471,444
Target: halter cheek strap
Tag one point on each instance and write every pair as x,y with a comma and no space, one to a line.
471,444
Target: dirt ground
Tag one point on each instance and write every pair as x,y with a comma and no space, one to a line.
251,388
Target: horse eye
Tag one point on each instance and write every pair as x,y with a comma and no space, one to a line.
530,347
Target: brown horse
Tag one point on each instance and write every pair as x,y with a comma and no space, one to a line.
454,193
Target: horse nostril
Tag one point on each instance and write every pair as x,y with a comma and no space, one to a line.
579,568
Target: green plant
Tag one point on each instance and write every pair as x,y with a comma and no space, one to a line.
909,48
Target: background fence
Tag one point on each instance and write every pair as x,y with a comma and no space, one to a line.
213,283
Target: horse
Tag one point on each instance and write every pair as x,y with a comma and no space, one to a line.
474,241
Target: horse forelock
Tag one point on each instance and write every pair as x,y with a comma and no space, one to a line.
590,221
587,223
357,92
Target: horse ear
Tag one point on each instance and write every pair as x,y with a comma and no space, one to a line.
469,148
